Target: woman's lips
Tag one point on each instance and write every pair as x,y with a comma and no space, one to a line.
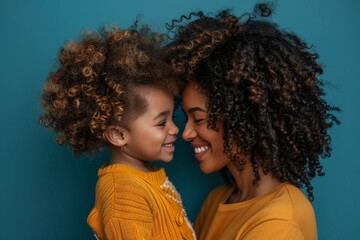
200,151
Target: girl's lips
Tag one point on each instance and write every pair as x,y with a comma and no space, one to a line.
168,147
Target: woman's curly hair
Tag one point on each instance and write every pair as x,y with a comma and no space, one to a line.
94,85
262,83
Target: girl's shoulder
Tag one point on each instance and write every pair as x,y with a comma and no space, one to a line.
124,179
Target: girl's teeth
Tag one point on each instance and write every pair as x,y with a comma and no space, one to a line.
201,149
168,145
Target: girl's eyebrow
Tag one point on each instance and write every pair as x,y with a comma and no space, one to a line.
162,114
195,109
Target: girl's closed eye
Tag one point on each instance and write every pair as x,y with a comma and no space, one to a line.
161,123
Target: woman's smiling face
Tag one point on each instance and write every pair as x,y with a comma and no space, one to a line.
208,144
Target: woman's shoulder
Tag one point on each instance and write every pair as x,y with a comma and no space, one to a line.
286,210
295,197
298,201
288,202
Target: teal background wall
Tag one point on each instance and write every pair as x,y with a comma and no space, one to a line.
46,193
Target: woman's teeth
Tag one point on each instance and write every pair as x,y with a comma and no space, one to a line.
201,149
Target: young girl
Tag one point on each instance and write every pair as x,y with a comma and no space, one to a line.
254,106
113,89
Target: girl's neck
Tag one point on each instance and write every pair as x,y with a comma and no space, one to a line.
119,157
245,189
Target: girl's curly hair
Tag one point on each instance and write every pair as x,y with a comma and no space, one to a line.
262,84
95,84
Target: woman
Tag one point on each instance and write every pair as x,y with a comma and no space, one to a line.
254,107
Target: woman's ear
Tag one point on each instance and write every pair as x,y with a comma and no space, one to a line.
116,135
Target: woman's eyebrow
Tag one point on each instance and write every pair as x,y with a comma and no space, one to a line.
195,109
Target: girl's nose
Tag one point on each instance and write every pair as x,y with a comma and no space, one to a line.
174,130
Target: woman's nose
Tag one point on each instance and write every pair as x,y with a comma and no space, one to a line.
188,133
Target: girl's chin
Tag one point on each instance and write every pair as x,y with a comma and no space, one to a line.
166,160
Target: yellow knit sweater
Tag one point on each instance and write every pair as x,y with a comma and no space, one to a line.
131,204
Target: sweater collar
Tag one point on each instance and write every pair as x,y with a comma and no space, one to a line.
157,177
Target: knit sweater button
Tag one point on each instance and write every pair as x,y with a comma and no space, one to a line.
179,219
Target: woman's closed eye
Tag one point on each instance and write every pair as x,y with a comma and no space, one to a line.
198,120
195,120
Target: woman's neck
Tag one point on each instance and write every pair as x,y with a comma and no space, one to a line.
245,189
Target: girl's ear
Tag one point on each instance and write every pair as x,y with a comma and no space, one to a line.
116,135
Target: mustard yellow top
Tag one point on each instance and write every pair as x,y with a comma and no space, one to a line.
284,213
131,204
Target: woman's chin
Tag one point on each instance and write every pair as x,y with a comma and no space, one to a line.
206,170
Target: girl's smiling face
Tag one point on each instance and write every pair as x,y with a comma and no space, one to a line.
208,144
151,136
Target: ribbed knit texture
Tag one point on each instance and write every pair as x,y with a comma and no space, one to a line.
131,204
